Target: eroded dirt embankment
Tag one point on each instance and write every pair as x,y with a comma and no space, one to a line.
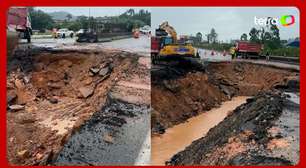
250,135
262,131
50,95
178,94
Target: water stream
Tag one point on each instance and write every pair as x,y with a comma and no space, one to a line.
175,139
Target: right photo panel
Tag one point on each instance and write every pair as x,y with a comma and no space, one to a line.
225,86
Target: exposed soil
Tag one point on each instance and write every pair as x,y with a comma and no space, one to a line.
50,95
102,140
251,135
178,93
262,131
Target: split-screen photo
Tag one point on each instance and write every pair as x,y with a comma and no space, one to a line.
205,86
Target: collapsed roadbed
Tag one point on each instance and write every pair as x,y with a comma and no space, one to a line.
179,94
51,95
263,131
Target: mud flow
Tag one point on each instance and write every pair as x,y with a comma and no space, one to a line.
192,126
64,105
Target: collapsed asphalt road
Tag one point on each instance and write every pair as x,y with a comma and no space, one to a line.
113,136
182,94
54,96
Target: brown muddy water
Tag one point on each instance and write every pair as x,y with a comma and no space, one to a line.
175,139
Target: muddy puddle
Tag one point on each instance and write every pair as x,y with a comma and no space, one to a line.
175,139
113,136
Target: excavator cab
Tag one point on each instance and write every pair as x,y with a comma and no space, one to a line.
170,48
167,49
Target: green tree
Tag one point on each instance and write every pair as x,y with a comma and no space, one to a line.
254,35
199,37
275,37
69,17
213,35
208,38
244,37
40,20
83,21
130,12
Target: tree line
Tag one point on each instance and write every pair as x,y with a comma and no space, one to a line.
127,21
268,36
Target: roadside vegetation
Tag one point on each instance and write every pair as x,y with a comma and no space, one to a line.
269,36
126,21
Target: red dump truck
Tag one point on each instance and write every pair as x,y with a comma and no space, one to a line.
18,21
155,46
248,49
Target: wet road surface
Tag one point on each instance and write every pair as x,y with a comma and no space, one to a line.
140,46
213,56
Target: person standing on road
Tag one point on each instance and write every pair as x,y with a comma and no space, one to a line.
268,55
54,33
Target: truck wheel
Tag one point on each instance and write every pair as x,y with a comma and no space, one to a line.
28,35
63,36
29,39
153,58
92,40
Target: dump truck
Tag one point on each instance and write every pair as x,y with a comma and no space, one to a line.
246,49
18,26
167,48
18,20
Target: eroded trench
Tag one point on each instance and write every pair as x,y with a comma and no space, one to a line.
231,114
77,108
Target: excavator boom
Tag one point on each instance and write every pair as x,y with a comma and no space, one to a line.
170,30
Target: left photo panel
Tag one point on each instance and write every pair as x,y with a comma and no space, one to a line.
78,86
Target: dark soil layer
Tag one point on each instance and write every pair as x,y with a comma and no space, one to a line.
180,93
245,137
103,141
50,94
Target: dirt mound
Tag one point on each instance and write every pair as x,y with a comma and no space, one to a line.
245,78
242,138
178,94
51,94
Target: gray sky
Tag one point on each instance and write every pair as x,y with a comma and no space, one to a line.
229,22
94,11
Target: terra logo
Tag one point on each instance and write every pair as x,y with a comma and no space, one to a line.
285,20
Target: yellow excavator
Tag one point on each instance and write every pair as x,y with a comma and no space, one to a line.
168,48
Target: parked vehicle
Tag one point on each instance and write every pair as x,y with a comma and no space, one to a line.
167,48
145,29
247,49
79,32
63,33
19,21
136,33
87,36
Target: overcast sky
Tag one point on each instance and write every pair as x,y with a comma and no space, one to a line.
229,23
94,11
